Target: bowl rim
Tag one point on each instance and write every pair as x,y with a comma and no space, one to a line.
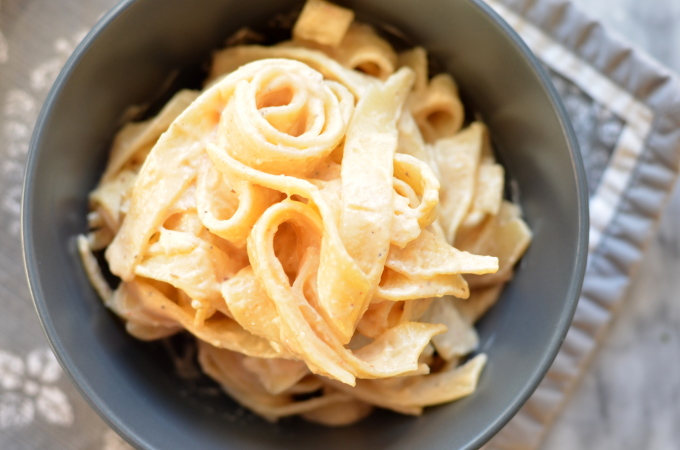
583,218
116,422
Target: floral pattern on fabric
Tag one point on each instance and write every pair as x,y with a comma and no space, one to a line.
19,113
28,390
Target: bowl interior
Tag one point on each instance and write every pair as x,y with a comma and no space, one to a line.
135,386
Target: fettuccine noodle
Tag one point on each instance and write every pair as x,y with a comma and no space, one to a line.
318,218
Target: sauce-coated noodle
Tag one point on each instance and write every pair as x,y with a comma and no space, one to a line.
298,217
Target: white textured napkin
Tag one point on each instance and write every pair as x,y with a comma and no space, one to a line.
625,109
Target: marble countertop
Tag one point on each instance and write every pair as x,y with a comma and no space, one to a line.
629,398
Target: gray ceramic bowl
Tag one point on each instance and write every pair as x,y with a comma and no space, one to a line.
124,60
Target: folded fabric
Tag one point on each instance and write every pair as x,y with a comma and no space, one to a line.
625,111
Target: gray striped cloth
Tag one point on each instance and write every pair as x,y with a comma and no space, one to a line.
625,109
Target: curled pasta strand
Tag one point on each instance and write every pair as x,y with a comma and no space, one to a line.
303,329
251,201
413,176
438,109
364,50
221,332
287,115
228,367
334,255
228,60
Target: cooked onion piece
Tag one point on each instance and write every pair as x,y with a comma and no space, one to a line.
323,23
437,109
363,50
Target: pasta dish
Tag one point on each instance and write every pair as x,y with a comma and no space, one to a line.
321,217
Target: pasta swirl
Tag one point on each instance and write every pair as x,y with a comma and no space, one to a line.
288,216
286,118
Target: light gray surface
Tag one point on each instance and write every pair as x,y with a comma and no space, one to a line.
629,398
39,408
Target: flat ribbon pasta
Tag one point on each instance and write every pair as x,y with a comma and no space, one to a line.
298,218
302,328
172,164
230,59
367,189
